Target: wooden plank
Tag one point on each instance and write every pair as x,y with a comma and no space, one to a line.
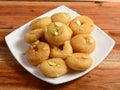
68,0
36,7
101,13
104,77
14,75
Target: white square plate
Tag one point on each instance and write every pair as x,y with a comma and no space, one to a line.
17,46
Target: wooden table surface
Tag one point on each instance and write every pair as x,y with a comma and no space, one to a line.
13,76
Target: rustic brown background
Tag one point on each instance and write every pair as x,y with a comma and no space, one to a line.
66,0
106,76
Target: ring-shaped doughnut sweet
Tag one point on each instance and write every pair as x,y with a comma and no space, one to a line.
54,67
37,52
79,61
57,33
56,52
40,23
61,17
83,43
34,35
82,25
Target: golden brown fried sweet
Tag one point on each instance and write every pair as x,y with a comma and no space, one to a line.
40,23
54,67
57,33
54,39
83,43
79,61
34,35
58,53
82,25
37,52
61,17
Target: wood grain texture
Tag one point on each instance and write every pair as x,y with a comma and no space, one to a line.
10,15
15,77
50,0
